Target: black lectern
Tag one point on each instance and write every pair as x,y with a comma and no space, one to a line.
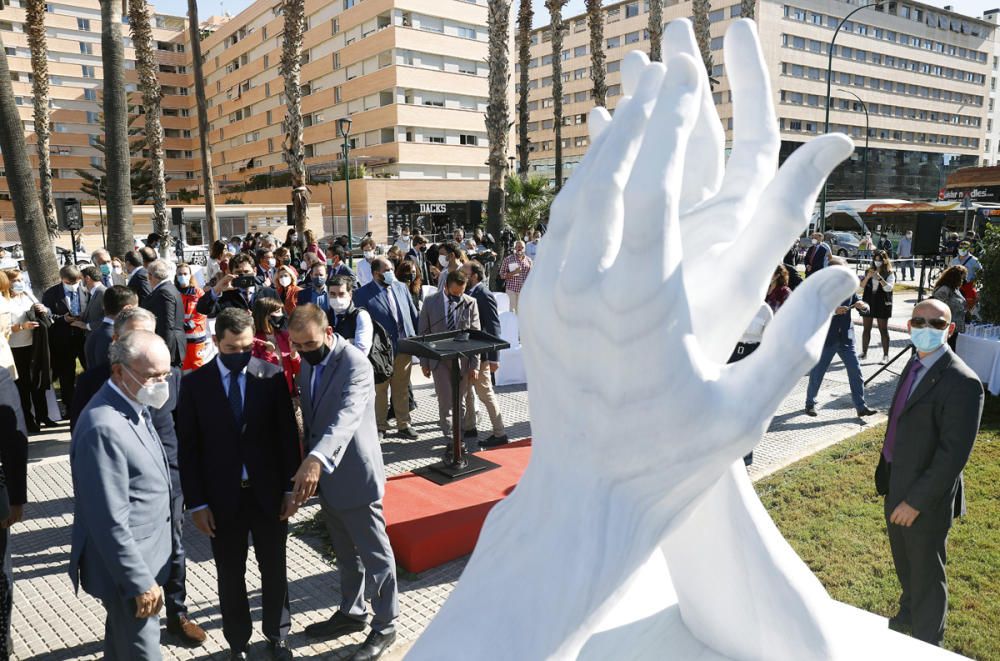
454,345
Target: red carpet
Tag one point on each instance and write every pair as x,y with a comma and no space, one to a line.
429,524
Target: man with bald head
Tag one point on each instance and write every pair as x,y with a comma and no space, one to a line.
933,423
122,537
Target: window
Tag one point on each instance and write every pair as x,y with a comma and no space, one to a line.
91,117
467,66
466,139
614,42
467,33
632,37
614,65
90,94
88,71
579,51
86,48
631,9
83,24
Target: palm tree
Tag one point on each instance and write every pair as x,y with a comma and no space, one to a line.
291,68
528,201
748,8
655,29
524,14
557,26
498,110
31,228
598,70
118,182
702,26
149,85
207,178
34,25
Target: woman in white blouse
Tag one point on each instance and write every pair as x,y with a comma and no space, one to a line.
22,330
877,285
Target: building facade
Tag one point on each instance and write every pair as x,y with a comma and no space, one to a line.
922,72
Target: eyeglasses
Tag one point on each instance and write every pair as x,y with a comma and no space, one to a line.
920,322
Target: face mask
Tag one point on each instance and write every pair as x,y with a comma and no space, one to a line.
278,322
878,263
105,269
443,260
271,261
909,235
183,280
369,254
388,278
248,292
928,339
814,241
407,279
303,265
292,237
235,362
316,356
17,287
285,280
318,282
963,253
116,269
153,395
73,287
340,305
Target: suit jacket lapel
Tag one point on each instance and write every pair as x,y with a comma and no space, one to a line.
930,379
331,364
305,397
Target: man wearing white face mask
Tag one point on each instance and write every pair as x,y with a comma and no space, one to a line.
932,426
351,323
122,536
972,266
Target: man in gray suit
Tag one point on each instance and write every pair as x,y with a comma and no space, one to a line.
933,423
93,313
345,462
122,535
449,310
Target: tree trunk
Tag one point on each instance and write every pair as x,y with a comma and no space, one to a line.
555,8
118,162
149,85
207,178
34,25
39,255
291,68
699,17
655,30
498,110
598,69
524,14
748,8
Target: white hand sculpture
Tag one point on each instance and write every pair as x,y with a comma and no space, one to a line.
634,416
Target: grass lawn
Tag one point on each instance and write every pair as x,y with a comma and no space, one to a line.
827,508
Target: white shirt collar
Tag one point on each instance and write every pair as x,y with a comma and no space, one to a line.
136,406
109,321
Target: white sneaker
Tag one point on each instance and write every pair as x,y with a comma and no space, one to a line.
885,359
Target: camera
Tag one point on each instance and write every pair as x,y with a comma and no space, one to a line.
244,281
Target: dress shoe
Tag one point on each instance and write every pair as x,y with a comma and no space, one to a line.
189,632
33,427
494,441
375,646
237,656
381,435
866,412
45,422
863,356
337,626
471,433
900,622
811,411
280,651
408,433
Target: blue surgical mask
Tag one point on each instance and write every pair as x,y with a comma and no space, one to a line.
183,280
105,269
928,339
319,283
389,277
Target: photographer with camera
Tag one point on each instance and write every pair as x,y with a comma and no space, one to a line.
236,289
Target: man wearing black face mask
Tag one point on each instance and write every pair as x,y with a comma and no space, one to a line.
314,289
238,453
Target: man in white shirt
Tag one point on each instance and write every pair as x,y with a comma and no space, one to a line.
351,323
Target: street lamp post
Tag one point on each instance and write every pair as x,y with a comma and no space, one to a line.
100,209
867,127
344,129
829,79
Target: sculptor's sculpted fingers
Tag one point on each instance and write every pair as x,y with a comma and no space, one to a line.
791,345
597,122
633,64
704,163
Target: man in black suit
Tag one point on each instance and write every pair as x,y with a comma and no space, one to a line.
133,318
14,463
115,299
66,303
418,254
239,450
165,302
933,423
482,382
231,291
138,281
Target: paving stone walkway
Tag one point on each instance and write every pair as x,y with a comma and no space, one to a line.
52,623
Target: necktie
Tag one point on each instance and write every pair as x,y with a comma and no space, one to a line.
236,399
148,419
74,302
317,377
450,314
898,404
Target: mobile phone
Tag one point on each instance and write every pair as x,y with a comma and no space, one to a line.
244,281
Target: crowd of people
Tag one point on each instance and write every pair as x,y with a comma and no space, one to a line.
270,376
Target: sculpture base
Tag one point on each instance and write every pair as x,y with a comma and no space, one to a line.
647,624
446,472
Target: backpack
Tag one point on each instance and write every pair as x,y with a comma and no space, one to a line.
381,355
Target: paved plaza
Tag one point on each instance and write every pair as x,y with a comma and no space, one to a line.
50,622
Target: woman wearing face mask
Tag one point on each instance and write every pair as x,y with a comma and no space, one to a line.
409,275
287,288
866,246
25,313
364,266
947,289
293,246
118,276
312,247
270,340
200,348
877,284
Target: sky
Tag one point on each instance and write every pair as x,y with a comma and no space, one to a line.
208,8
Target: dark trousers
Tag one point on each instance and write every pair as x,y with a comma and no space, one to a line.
174,592
29,395
229,548
920,557
64,366
6,594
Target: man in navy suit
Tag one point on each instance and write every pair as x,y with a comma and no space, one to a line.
138,280
165,302
227,294
388,301
66,302
336,261
239,449
314,288
482,383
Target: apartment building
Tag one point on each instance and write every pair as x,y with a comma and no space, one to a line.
411,75
76,82
922,72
